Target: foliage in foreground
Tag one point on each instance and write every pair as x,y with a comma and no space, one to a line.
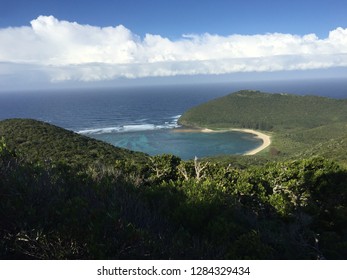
171,209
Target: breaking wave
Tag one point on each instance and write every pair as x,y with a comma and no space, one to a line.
133,127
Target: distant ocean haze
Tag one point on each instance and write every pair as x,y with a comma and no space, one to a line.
144,118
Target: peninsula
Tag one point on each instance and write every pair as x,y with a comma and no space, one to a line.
298,125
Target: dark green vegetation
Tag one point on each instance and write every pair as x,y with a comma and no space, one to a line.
300,126
266,111
38,140
65,196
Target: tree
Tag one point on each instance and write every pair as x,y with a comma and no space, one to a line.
164,167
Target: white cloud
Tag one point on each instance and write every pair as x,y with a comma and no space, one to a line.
63,50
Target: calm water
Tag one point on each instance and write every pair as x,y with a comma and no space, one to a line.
184,144
144,118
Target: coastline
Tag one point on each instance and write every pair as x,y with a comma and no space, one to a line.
264,137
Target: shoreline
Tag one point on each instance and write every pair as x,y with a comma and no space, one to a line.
264,137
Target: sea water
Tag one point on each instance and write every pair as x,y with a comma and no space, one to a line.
145,118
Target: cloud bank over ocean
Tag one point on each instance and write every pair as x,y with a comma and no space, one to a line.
57,50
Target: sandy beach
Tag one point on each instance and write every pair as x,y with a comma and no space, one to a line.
265,138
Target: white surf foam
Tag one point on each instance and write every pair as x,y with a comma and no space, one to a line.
133,127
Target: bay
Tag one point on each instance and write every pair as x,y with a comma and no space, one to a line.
144,118
186,145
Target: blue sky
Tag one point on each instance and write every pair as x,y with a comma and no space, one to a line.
174,18
54,42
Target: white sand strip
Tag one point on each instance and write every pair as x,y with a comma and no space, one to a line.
265,138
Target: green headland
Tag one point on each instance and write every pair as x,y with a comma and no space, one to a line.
67,196
299,126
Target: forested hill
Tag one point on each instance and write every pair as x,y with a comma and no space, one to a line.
42,141
265,111
65,196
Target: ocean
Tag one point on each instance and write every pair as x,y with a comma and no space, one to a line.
144,118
